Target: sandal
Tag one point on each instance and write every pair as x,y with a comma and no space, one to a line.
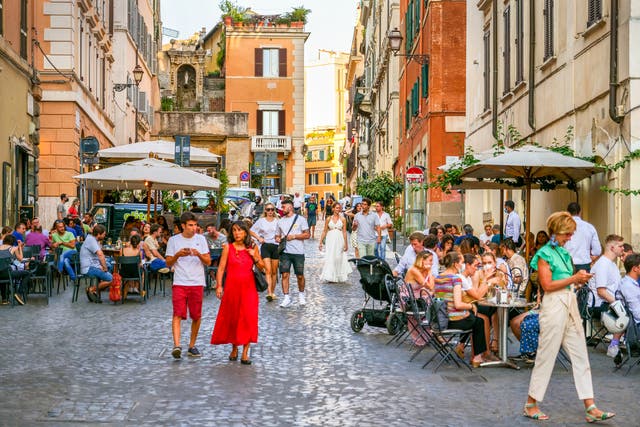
538,416
593,419
460,351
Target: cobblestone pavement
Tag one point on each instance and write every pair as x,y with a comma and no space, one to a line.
103,364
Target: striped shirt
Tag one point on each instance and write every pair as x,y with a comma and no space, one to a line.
444,285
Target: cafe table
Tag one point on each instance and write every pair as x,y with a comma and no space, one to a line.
503,327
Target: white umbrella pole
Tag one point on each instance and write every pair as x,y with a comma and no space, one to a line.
527,220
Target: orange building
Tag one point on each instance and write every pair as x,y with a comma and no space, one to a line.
432,102
264,77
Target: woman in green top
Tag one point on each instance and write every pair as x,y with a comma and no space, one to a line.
560,322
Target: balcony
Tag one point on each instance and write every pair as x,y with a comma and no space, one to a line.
264,143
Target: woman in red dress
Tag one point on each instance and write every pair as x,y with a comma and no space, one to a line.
237,321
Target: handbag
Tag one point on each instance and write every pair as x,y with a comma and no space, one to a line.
282,246
260,279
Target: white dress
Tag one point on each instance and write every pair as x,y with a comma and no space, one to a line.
336,267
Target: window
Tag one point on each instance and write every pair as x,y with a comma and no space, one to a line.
425,80
507,49
270,62
338,178
594,12
313,179
486,74
327,177
270,122
321,155
1,30
548,29
519,41
23,29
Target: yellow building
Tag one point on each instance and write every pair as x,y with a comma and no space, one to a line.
19,113
325,123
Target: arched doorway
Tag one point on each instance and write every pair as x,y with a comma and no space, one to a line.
186,88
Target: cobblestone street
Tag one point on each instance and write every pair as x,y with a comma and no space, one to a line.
102,364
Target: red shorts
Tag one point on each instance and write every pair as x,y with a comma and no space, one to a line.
187,296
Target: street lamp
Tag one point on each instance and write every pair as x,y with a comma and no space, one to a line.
138,73
395,41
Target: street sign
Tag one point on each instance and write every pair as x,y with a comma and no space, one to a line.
415,175
244,176
183,150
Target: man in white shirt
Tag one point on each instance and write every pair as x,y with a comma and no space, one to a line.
485,238
385,224
606,282
298,202
584,245
295,230
188,254
409,257
512,223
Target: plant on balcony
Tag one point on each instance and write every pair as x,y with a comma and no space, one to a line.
299,14
166,103
232,10
214,74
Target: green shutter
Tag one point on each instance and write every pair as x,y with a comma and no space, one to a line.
425,80
407,115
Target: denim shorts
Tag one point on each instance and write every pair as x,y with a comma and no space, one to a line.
296,259
103,276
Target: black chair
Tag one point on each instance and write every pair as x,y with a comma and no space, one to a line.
40,278
590,316
157,277
6,279
130,270
212,270
31,251
75,264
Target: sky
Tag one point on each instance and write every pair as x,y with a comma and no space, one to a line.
330,22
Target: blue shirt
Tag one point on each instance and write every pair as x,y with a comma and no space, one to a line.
18,236
71,230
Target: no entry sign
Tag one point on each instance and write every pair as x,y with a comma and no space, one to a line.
415,175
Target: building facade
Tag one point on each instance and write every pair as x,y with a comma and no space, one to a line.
558,71
264,77
19,112
432,104
325,124
75,65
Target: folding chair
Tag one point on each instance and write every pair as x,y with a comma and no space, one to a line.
588,313
131,271
441,338
632,336
75,264
5,278
40,278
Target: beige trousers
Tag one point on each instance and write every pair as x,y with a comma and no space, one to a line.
560,324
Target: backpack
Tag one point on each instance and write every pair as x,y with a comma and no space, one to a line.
114,290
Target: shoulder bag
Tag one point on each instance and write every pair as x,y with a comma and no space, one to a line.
282,246
259,278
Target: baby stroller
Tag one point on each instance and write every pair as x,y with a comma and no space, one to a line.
380,299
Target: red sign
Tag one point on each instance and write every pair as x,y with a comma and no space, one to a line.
415,175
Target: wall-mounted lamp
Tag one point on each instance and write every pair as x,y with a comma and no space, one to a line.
395,41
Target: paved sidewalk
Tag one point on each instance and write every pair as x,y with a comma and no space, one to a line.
101,364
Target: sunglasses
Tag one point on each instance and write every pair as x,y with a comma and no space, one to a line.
270,209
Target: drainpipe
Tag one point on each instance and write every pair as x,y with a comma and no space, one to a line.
613,64
494,112
532,57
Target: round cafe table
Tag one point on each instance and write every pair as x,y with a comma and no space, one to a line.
503,325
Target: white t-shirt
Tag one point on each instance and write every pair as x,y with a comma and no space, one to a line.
605,275
188,270
295,246
385,219
266,229
297,202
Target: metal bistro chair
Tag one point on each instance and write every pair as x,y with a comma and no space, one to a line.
212,269
40,277
5,278
590,314
75,264
131,271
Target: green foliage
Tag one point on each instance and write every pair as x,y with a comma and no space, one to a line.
382,187
256,181
214,74
166,103
222,47
233,10
224,185
299,14
171,204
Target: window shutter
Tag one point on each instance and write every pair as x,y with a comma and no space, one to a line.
259,122
281,123
258,62
282,58
548,29
407,116
425,80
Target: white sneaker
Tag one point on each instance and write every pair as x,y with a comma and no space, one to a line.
613,350
302,300
286,301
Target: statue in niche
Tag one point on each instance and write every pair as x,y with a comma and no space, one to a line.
186,88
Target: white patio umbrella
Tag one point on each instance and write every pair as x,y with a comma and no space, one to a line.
147,174
529,163
161,149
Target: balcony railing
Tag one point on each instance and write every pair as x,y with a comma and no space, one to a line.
277,144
